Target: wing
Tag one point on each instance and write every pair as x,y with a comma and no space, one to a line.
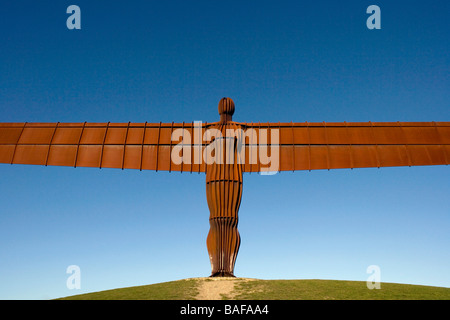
267,147
144,146
310,146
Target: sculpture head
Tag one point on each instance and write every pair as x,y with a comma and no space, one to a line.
226,109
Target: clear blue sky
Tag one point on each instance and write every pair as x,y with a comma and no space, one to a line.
172,61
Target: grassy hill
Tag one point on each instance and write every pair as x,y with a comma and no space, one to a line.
254,289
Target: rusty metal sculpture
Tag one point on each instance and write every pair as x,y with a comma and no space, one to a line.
167,146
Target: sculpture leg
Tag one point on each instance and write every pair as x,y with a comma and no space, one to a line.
224,198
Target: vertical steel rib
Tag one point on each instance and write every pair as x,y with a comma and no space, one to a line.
157,146
142,149
250,149
293,147
103,146
192,144
17,142
170,148
182,147
309,145
125,145
259,149
50,144
78,145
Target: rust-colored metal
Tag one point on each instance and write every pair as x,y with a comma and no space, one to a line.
224,193
300,146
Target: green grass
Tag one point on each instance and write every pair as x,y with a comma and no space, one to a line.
275,290
174,290
335,290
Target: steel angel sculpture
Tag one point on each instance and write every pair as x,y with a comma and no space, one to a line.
224,151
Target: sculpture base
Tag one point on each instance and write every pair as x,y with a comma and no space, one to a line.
222,274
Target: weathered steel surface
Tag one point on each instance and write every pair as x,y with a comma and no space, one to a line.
302,146
310,146
144,146
224,193
298,146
